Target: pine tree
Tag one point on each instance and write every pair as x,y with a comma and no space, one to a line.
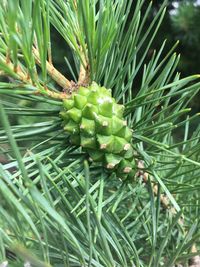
185,24
60,205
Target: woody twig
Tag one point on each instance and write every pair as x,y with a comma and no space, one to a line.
84,74
20,74
58,77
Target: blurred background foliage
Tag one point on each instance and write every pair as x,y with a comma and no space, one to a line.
182,23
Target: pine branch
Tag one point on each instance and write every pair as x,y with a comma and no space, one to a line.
20,74
194,261
163,199
73,218
54,73
84,74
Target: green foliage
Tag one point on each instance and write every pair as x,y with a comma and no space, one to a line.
185,25
185,22
56,208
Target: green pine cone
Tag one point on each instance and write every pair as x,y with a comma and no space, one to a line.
95,122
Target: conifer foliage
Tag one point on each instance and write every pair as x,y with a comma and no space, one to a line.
126,109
